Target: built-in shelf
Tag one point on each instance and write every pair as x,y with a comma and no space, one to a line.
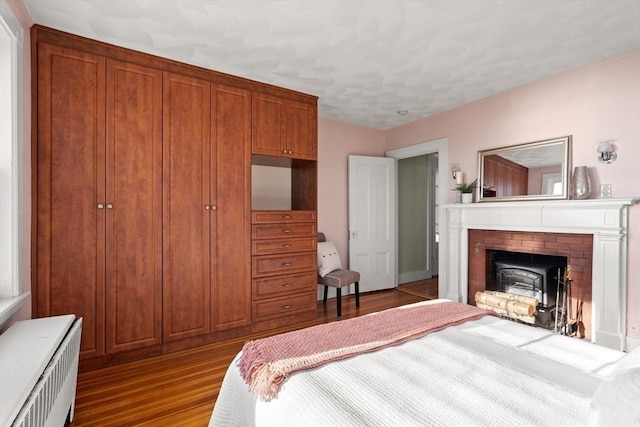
283,184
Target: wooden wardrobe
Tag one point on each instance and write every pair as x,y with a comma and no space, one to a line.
142,193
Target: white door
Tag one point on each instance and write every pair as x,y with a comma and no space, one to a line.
372,240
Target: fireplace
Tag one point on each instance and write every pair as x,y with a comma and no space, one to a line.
462,268
527,264
529,275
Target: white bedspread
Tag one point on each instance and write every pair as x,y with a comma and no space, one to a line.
489,372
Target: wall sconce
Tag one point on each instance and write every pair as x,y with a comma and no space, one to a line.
607,151
456,173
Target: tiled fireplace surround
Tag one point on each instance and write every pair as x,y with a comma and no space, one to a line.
591,233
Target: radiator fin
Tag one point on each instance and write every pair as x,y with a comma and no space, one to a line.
61,372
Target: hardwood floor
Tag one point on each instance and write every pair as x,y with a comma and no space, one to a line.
423,288
180,389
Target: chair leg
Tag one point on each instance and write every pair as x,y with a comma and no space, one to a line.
357,295
339,301
326,291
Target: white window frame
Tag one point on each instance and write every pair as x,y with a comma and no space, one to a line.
11,290
551,183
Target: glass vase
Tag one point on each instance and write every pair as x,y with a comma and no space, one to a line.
580,184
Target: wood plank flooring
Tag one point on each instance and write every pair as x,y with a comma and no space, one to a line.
424,288
180,389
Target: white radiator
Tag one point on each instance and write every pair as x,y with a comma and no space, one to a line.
38,371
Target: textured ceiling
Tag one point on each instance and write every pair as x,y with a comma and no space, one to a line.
366,60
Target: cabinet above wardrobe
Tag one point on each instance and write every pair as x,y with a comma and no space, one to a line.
283,128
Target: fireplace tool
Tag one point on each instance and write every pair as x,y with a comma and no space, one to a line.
557,320
563,310
570,326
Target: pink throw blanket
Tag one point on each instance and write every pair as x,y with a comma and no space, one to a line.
265,363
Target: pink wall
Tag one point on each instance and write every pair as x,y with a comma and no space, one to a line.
336,140
596,102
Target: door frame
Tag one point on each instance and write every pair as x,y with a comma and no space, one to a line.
440,146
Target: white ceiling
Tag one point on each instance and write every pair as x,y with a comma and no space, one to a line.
365,59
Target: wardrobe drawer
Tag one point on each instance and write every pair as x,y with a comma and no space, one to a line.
275,231
284,306
279,246
283,285
270,217
271,265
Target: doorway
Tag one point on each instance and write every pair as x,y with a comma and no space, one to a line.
417,221
419,196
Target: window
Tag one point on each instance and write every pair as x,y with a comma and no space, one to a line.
10,168
552,183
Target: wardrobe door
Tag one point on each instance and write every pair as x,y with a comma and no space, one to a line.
186,207
69,189
133,207
302,130
269,120
231,220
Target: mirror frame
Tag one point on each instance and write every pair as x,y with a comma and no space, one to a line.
565,143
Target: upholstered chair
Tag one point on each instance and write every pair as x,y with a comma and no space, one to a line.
331,273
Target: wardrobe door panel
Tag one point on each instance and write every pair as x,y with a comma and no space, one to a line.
134,207
70,228
268,118
231,228
302,130
186,196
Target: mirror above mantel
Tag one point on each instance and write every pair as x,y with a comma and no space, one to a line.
532,171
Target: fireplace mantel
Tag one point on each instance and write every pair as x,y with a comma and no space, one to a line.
605,219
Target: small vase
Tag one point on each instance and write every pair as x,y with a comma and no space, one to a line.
467,197
580,184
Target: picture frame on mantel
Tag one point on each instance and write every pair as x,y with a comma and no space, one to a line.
538,170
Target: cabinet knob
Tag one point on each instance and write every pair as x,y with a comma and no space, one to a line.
207,207
287,306
286,216
286,230
109,206
214,207
100,206
286,285
286,264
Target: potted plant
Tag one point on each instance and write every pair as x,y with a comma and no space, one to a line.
467,190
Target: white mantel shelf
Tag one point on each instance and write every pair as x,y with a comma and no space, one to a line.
605,219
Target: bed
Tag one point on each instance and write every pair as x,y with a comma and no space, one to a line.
486,371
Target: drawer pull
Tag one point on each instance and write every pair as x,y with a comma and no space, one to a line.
286,216
286,245
286,230
286,285
286,264
286,307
